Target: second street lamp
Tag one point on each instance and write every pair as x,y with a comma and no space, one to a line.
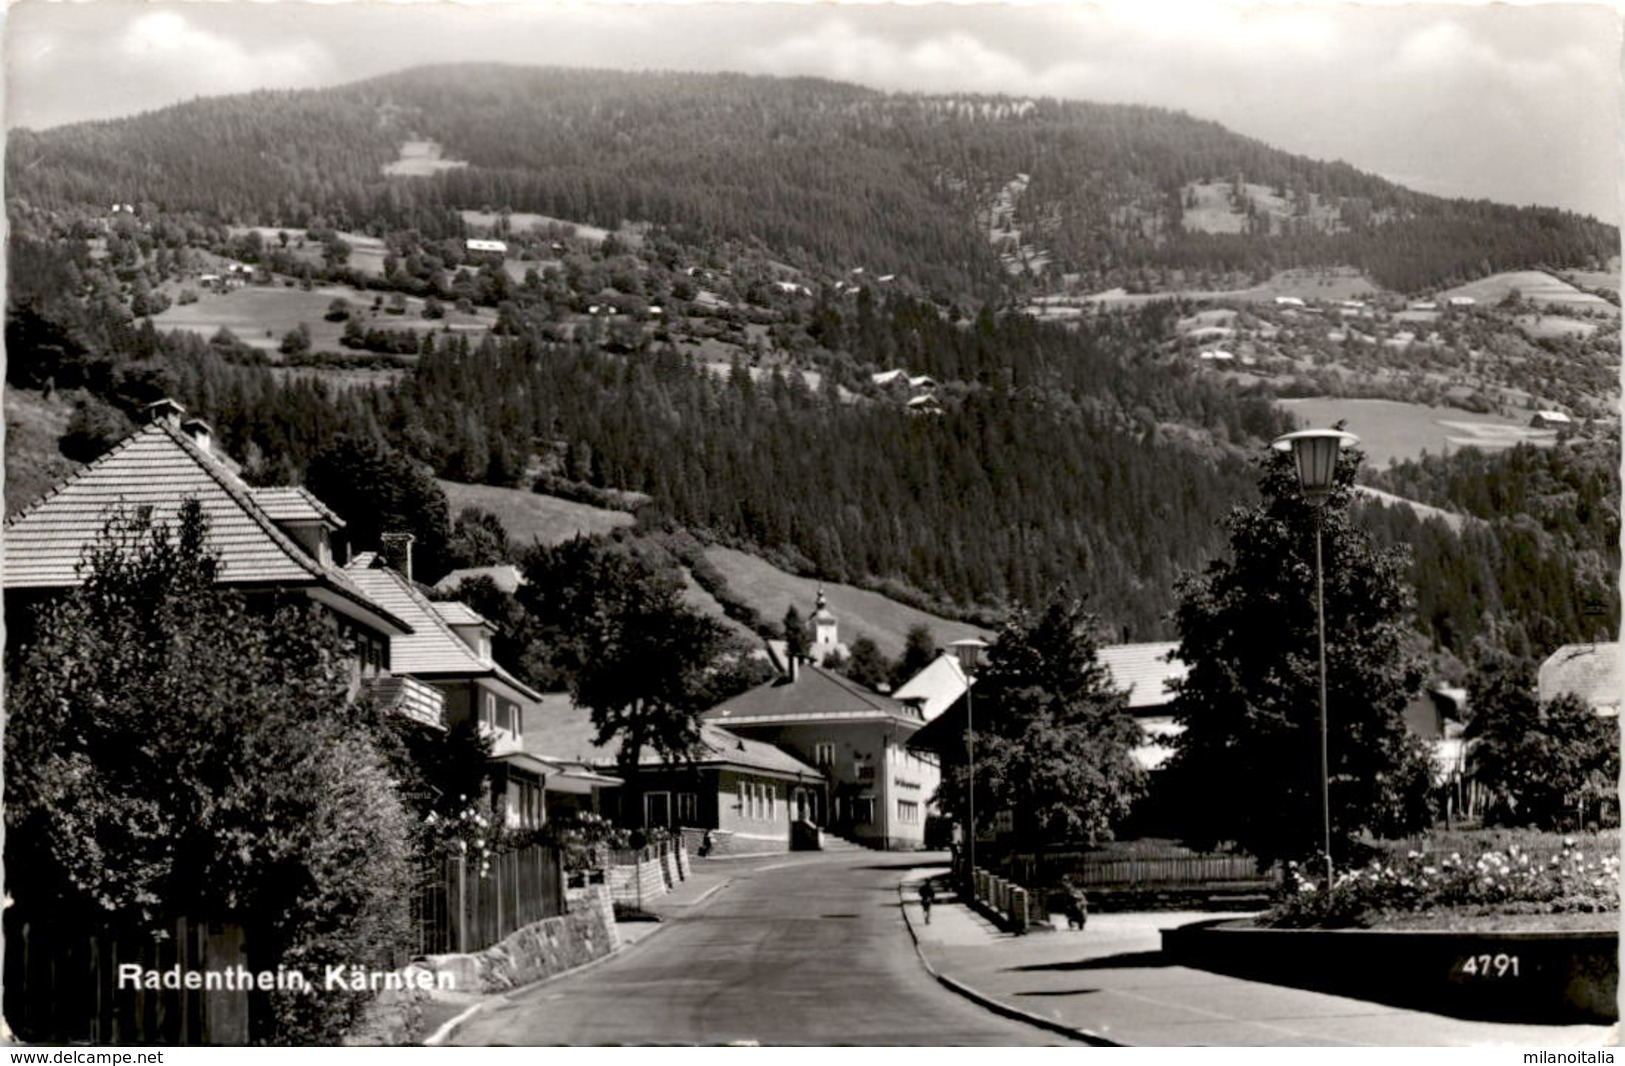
969,653
1314,451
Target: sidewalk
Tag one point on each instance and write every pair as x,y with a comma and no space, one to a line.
1109,985
706,877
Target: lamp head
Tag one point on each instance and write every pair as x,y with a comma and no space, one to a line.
969,653
1315,453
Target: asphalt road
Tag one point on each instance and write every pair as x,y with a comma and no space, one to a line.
801,951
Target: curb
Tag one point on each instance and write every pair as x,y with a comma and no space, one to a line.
449,1029
982,999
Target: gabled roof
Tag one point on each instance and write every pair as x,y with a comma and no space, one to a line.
158,468
935,687
816,694
432,651
1590,671
1145,670
294,504
557,729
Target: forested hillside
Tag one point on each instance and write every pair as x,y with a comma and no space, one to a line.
802,343
830,176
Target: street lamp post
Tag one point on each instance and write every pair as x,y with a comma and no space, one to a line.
1314,451
969,653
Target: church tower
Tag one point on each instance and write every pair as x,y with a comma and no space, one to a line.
825,642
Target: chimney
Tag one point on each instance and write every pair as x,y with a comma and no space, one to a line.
396,548
792,666
199,433
165,412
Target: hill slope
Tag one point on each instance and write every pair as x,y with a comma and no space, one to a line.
945,190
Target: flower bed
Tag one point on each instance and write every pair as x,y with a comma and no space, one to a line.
1510,882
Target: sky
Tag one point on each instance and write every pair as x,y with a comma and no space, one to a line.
1519,103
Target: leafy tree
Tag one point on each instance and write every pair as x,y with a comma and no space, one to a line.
919,649
478,538
176,750
867,665
1247,765
296,341
1545,764
338,310
1053,737
93,428
336,252
796,643
378,490
633,652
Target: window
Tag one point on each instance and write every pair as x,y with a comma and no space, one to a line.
489,716
863,810
688,809
908,812
823,753
656,809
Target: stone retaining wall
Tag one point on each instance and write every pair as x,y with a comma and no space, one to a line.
1542,978
541,949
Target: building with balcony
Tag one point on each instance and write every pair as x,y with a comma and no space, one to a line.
449,651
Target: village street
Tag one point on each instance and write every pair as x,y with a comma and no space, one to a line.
795,950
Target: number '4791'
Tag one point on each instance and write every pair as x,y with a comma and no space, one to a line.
1491,965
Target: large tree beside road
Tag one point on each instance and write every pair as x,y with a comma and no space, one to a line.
1053,736
1247,766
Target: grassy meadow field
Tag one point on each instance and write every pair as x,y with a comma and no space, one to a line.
34,464
1536,286
860,612
520,221
261,314
530,516
1391,430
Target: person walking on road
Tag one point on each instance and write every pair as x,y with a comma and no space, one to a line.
928,896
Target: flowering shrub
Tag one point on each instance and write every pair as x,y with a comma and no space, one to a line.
585,839
470,832
1511,881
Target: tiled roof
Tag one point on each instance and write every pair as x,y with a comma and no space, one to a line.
815,694
459,614
936,686
294,504
1591,671
1145,670
432,649
559,729
159,468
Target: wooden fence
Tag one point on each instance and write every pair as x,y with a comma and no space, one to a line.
460,909
1183,870
62,985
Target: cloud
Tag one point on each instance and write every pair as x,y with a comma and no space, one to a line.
164,48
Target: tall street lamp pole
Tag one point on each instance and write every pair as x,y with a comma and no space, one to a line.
1314,451
969,653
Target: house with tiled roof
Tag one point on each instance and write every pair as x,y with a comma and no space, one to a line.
939,685
265,540
876,790
733,794
1593,672
449,649
1148,673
